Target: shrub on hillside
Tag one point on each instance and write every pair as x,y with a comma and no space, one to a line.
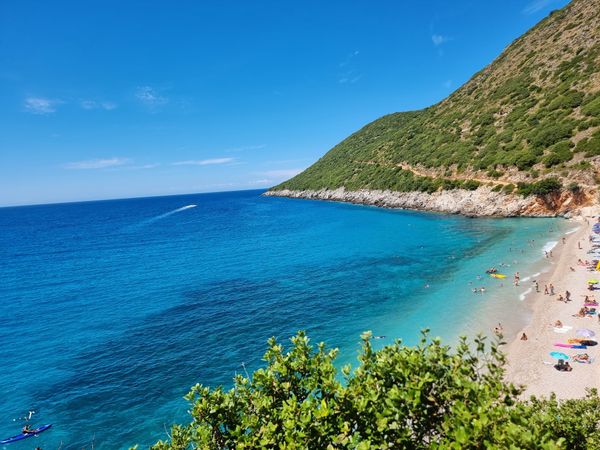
540,188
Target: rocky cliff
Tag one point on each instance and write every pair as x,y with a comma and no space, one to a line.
482,202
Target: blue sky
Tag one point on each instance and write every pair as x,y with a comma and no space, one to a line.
120,99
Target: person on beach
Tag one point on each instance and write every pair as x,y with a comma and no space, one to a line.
560,298
551,256
537,286
546,289
564,367
551,289
579,245
545,253
564,241
524,337
582,357
558,324
567,296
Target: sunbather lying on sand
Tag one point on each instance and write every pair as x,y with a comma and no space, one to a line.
582,358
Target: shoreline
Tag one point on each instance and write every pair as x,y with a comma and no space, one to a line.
528,361
481,202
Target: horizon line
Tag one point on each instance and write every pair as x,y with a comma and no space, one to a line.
69,202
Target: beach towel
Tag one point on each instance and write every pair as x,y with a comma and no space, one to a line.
562,329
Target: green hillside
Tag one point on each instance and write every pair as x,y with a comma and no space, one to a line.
532,114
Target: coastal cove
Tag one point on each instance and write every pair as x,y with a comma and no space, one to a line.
143,298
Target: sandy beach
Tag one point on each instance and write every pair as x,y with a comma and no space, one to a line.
529,361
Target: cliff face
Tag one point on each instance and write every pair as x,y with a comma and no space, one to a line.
533,114
482,202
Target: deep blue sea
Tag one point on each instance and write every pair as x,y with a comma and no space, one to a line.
111,310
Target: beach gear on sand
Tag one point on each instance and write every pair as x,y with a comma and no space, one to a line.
558,344
563,329
587,342
585,332
22,436
559,355
593,281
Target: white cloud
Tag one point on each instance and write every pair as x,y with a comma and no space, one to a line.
536,5
246,148
348,78
438,39
351,74
282,173
349,58
148,96
41,105
131,167
108,105
88,104
92,104
96,163
260,182
204,162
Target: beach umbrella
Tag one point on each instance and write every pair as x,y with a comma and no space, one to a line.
559,355
594,281
584,332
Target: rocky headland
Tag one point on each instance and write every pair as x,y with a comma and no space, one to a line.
482,202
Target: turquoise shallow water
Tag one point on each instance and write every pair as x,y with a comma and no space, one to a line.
111,310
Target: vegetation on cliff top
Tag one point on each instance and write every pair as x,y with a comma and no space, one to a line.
423,397
532,113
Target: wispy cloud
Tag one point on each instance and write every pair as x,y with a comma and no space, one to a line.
350,74
349,78
349,58
204,162
262,182
282,173
536,5
96,163
246,148
133,167
92,104
41,105
438,39
150,97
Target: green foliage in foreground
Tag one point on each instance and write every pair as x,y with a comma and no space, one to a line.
424,397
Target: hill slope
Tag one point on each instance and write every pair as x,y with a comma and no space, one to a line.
533,114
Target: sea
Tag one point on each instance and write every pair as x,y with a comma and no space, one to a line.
111,310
